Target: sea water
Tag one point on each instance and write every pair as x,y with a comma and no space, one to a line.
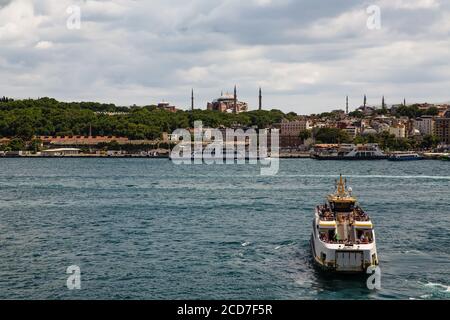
148,229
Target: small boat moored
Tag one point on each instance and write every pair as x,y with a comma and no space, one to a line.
369,151
343,237
399,156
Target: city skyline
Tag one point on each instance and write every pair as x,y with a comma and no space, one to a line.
306,60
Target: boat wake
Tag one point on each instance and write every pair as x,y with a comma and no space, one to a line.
438,286
372,176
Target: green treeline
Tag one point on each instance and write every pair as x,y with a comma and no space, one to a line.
24,119
48,117
386,140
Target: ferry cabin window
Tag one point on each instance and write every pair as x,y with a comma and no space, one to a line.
343,207
364,235
327,235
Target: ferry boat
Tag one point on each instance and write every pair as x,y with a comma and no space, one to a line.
343,237
226,155
405,157
370,151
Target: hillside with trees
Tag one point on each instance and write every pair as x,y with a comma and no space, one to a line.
49,117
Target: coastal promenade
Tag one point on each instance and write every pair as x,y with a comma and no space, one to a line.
165,155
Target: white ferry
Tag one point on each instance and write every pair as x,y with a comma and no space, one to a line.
370,151
226,154
401,156
343,237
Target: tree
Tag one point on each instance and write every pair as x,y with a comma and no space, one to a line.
48,117
16,145
35,145
359,139
356,114
113,146
386,140
429,142
332,135
305,134
433,111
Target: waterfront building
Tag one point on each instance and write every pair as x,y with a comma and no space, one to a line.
381,127
369,131
228,103
425,125
319,125
352,131
424,106
399,131
443,109
339,114
166,106
367,110
442,130
61,152
81,140
293,128
290,142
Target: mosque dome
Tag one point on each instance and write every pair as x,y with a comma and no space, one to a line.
226,96
369,131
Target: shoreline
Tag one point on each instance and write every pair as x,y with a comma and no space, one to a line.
283,156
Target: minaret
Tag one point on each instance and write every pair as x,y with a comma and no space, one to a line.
404,102
365,101
235,99
383,103
260,99
192,100
346,105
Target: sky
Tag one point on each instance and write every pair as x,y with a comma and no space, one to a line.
307,55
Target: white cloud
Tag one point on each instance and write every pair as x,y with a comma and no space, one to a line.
410,4
18,23
44,45
346,24
304,55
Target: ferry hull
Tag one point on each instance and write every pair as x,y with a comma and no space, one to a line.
406,159
345,261
349,158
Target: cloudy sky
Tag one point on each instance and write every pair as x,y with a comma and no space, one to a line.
306,54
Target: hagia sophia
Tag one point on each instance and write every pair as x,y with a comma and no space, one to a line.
229,103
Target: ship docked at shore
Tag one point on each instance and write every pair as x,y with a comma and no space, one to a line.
343,237
370,151
405,156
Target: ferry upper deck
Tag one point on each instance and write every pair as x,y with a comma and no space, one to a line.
341,221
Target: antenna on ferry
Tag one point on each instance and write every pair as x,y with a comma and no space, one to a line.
341,186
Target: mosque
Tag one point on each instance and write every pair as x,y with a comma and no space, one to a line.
230,103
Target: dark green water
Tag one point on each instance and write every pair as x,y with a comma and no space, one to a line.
147,229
